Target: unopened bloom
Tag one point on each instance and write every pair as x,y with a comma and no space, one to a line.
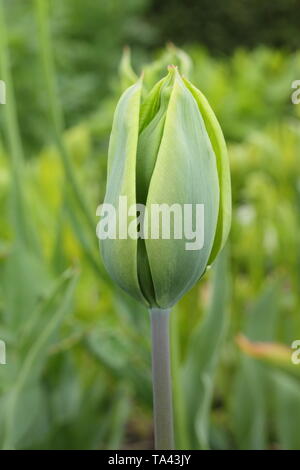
166,148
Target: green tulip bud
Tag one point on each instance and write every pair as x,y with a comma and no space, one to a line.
165,148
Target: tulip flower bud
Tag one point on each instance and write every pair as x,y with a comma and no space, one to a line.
165,149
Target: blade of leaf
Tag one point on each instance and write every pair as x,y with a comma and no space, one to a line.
287,411
203,355
35,356
250,390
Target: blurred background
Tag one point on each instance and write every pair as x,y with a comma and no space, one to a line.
78,349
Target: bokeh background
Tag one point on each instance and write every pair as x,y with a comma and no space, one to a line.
78,349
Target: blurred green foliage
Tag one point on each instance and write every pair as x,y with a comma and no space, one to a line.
78,351
221,25
87,39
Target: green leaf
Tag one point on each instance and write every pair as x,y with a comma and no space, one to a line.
36,356
24,279
287,411
250,390
202,358
119,417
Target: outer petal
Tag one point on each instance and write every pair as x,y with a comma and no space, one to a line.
120,255
218,143
152,120
185,172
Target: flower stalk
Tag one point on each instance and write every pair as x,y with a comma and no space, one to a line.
162,382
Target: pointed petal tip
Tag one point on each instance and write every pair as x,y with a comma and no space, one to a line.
173,71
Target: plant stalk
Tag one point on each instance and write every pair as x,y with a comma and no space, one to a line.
15,147
162,383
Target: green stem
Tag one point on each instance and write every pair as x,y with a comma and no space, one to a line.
16,154
162,383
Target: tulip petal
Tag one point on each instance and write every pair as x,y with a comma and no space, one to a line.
152,120
120,255
219,145
154,115
185,173
150,104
